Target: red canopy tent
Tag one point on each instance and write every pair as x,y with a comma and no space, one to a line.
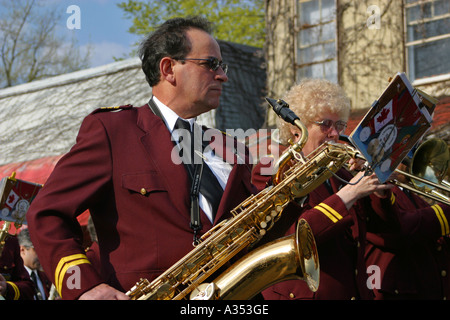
36,171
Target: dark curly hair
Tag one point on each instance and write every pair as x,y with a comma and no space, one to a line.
168,40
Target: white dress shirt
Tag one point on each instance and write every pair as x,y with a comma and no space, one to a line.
38,280
220,168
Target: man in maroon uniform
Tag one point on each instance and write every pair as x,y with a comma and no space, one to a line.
33,266
123,169
15,283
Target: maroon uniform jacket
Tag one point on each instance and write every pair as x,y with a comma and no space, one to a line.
340,238
19,284
408,241
122,171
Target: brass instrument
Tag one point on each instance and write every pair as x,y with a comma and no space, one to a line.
292,257
4,233
53,294
429,166
287,258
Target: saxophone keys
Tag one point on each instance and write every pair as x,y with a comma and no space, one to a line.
205,291
275,211
296,189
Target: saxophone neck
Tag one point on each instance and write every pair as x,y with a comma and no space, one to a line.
289,154
298,146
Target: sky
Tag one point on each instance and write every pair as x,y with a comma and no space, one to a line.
102,24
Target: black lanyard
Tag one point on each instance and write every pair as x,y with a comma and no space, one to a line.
195,224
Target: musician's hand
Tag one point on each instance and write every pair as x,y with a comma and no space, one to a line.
365,185
2,285
104,292
356,164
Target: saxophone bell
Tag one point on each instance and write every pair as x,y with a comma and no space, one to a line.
289,258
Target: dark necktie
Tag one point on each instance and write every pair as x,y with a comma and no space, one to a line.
209,185
38,295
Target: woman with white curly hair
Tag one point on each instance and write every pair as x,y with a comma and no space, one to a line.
322,106
334,210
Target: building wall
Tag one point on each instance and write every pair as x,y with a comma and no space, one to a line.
438,88
369,53
279,51
242,101
370,49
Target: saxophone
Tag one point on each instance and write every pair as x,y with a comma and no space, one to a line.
291,257
4,233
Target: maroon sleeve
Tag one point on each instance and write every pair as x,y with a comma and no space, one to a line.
329,218
78,179
261,177
415,217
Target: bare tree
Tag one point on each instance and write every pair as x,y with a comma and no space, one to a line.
30,47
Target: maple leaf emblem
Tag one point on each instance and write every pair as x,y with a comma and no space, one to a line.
11,198
383,115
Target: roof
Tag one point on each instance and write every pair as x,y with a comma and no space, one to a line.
41,119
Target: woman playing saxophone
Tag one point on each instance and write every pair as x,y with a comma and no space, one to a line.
335,210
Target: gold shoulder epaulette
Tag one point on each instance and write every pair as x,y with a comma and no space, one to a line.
124,107
110,108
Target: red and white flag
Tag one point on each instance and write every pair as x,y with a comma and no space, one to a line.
384,117
12,199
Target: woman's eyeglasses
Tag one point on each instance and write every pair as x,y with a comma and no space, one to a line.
327,124
212,63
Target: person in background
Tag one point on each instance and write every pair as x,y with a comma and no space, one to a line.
15,283
33,266
408,246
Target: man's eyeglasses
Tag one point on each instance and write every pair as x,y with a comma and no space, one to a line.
327,124
212,63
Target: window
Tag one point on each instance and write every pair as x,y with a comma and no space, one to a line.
427,38
316,40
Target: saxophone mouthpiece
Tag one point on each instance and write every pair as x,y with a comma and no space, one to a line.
281,108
